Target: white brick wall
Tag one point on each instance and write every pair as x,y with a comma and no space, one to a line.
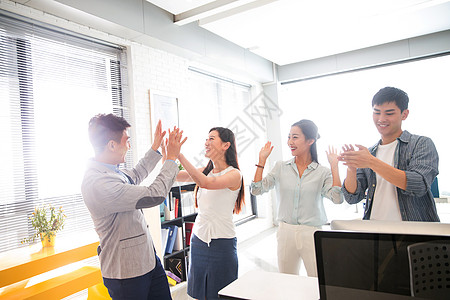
156,70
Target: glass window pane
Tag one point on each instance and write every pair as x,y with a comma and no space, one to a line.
51,84
340,105
213,102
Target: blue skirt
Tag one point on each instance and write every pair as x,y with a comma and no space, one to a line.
211,268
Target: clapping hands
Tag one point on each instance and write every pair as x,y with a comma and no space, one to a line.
353,159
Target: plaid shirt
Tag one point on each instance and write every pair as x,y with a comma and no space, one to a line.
417,156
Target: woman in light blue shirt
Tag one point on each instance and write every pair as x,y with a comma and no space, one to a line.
301,184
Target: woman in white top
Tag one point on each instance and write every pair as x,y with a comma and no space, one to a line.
219,194
301,183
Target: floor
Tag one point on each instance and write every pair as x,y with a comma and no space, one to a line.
257,250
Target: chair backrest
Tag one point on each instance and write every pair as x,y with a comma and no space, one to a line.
429,266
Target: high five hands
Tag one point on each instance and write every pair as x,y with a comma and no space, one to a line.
171,146
175,142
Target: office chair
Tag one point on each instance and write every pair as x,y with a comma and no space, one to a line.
429,266
435,188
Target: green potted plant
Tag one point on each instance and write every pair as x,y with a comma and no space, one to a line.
47,220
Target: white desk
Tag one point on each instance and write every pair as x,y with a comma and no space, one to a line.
261,285
407,227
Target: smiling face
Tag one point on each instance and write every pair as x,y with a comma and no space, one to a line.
214,147
297,142
388,118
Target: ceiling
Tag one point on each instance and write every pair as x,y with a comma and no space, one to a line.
290,31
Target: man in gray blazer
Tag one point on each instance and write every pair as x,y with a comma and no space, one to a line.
129,265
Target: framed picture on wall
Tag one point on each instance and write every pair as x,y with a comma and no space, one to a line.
164,107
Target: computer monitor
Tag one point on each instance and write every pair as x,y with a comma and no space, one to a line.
366,265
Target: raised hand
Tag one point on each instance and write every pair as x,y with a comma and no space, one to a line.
158,137
265,152
174,143
263,155
332,155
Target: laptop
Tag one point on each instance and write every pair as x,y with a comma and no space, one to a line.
365,265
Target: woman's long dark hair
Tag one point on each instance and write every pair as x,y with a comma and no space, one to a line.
311,132
226,135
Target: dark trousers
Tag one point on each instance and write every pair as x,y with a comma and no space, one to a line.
152,285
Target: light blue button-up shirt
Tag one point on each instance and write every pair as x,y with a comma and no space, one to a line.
116,169
300,199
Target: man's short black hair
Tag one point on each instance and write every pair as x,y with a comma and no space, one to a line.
104,128
391,94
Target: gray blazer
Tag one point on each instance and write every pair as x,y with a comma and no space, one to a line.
126,245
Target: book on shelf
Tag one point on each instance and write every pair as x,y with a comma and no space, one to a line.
164,235
175,265
177,208
173,276
171,281
187,203
188,232
179,240
171,237
169,212
171,201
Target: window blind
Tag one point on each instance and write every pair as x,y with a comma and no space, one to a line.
51,83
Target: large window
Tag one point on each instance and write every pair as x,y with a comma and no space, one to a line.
51,84
341,107
216,101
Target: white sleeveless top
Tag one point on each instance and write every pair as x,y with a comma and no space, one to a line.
215,212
